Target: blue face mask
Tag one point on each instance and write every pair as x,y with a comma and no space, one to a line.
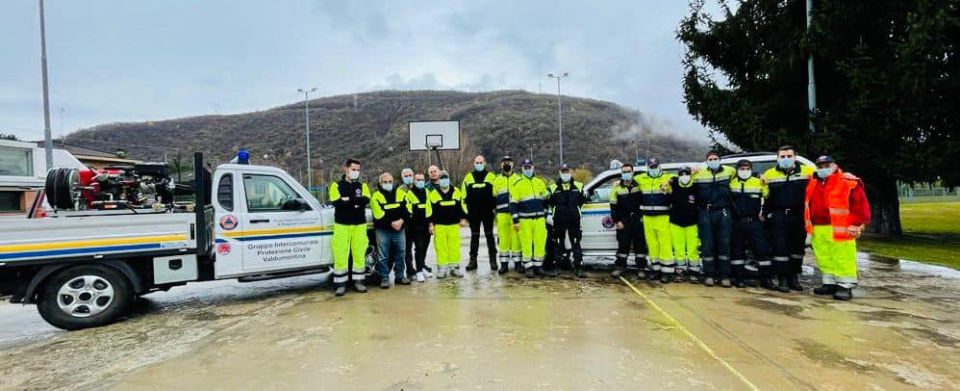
420,184
479,166
654,172
824,172
626,176
714,165
387,186
407,180
786,163
565,176
528,172
444,182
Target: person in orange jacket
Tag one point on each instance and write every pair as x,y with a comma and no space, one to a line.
836,211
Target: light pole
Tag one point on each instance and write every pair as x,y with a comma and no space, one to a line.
306,117
47,138
559,110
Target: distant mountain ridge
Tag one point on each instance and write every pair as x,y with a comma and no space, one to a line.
372,127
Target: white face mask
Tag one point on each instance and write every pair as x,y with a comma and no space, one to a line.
684,179
565,176
744,174
354,174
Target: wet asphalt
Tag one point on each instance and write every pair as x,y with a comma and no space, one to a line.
485,331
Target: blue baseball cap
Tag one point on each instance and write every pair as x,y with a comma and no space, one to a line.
825,159
527,162
653,162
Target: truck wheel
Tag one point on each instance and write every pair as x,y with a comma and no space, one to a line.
371,259
84,296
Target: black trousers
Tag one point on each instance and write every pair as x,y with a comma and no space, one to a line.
787,237
418,237
564,229
475,222
749,232
631,238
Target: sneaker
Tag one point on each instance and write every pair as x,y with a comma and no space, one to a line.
403,281
426,273
340,291
384,283
359,287
708,281
442,273
420,277
616,273
726,283
693,279
456,272
641,275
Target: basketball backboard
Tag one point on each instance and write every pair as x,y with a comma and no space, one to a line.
440,135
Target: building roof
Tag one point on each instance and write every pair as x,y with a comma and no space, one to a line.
90,153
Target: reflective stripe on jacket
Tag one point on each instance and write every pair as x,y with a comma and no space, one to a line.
501,191
528,198
448,207
713,188
653,199
836,190
387,207
477,188
747,196
349,199
787,191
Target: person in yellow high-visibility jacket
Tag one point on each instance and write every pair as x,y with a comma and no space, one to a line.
449,214
350,198
508,243
655,208
528,195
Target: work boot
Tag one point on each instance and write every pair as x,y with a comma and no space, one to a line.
579,272
726,283
783,286
456,272
616,272
404,281
653,275
359,287
826,289
708,281
472,265
768,284
384,283
503,268
493,263
666,278
530,272
843,294
739,283
551,273
641,275
794,283
518,266
442,273
693,279
340,291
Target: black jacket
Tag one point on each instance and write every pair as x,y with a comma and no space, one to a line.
683,206
350,200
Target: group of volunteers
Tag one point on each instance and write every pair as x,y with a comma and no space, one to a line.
695,225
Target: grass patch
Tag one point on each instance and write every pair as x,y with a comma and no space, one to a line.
931,234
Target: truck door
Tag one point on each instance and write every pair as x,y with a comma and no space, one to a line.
229,257
599,233
276,236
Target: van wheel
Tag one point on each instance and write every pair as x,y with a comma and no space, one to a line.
84,296
371,259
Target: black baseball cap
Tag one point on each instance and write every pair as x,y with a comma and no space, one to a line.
744,162
565,166
527,162
825,159
653,162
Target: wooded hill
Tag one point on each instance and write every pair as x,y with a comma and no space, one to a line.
373,128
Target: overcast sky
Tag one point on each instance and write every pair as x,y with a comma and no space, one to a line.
124,60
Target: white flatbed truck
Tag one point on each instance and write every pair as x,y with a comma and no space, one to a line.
83,268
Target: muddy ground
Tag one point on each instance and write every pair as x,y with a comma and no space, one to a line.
485,331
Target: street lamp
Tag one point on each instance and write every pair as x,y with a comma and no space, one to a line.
306,117
559,110
47,138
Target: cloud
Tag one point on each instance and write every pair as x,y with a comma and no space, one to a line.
155,60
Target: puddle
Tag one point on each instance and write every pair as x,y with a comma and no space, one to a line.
786,307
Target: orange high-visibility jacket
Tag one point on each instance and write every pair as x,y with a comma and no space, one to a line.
837,190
